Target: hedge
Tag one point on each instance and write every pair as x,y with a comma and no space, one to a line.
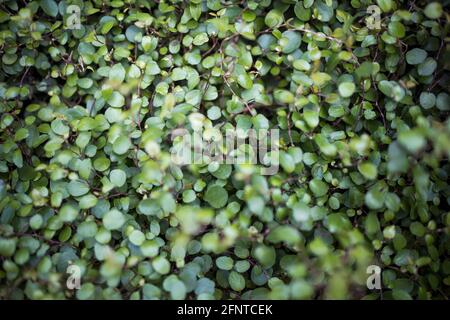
93,91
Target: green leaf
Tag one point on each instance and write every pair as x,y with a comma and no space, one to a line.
397,29
189,196
325,10
417,229
265,255
416,56
368,170
392,89
193,97
290,41
152,68
245,29
236,280
427,67
117,73
273,18
121,145
311,114
386,5
433,10
50,7
113,219
161,265
283,96
200,39
374,199
214,113
195,11
242,266
23,133
118,177
443,101
318,187
137,237
302,65
372,224
149,207
224,263
68,213
346,89
427,100
7,247
243,78
78,188
178,290
85,83
116,100
320,78
400,295
216,196
412,140
287,162
301,12
178,74
88,201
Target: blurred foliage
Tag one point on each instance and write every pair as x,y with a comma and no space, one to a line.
86,177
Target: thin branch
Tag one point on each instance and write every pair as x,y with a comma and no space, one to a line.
24,75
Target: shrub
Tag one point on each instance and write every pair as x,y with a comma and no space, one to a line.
92,93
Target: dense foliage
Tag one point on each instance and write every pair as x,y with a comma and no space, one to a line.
360,97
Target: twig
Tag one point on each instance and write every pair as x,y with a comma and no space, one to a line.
23,76
289,128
